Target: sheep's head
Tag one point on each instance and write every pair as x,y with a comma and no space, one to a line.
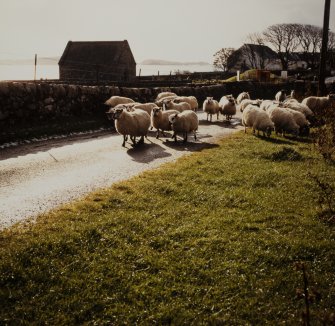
268,130
173,118
110,114
209,99
117,113
155,111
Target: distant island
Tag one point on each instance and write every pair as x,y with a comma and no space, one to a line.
158,62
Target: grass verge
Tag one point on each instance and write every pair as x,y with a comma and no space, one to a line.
210,239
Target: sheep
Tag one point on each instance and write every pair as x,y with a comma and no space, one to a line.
135,123
160,119
147,107
319,105
227,106
242,96
281,96
191,100
160,103
267,104
295,105
171,105
185,122
115,100
211,107
164,94
284,120
257,119
301,121
245,102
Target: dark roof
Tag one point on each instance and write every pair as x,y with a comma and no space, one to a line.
263,50
95,52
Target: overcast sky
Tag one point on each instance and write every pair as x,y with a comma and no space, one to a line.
182,30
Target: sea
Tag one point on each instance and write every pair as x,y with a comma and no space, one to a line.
27,72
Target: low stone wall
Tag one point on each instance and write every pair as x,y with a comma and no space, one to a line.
29,107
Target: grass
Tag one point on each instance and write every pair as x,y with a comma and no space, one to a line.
210,239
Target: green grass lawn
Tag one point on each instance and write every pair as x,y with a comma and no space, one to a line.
210,239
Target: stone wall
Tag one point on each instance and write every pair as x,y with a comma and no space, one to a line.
30,109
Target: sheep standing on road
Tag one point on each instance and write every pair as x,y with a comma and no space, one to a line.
134,123
227,106
171,105
162,95
245,102
184,122
191,100
211,107
115,100
160,119
242,96
257,119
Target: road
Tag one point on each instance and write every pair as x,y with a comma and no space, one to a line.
37,177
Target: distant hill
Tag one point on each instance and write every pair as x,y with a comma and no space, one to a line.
40,61
158,62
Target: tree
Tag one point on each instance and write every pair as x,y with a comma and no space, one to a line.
254,51
310,38
221,58
283,38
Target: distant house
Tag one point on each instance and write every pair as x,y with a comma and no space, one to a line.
253,56
97,61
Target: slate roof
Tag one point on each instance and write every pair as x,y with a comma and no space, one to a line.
95,52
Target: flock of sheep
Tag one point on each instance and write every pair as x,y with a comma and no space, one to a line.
284,114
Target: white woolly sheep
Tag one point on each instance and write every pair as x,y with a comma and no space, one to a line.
160,103
191,100
301,121
281,95
147,107
211,107
134,123
244,103
163,95
184,122
257,119
115,100
295,105
284,120
171,105
267,104
242,96
227,106
160,119
320,104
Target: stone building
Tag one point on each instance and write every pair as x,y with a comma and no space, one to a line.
97,61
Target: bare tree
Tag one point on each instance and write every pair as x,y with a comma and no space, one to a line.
310,38
221,58
254,51
283,38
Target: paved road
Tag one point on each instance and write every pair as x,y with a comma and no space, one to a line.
37,177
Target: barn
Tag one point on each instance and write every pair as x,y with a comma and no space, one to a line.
97,61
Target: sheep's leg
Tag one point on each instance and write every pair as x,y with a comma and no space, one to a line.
133,139
185,137
124,140
157,134
245,129
195,135
141,141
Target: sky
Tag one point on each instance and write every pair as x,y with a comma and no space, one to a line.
176,30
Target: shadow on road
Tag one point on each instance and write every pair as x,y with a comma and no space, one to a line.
189,146
146,153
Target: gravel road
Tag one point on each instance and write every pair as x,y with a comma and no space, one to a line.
37,177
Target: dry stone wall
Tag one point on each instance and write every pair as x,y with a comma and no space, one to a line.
27,107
